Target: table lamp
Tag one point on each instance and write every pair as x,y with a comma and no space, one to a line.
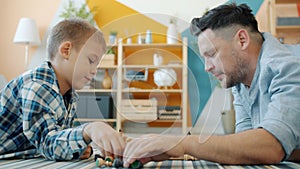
27,34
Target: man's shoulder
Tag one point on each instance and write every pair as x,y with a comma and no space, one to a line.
273,49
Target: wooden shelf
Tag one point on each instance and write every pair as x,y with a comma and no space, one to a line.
152,90
96,120
108,67
288,27
97,91
136,46
153,45
289,33
165,123
152,66
159,123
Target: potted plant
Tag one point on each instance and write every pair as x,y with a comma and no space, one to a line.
108,59
71,11
113,37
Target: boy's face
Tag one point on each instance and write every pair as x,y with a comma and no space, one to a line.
85,64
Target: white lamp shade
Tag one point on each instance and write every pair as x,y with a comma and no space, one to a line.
27,32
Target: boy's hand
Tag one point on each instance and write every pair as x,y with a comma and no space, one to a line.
109,141
87,152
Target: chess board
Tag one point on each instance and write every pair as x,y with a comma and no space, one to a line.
168,164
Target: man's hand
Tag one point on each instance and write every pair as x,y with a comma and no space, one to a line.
152,148
110,142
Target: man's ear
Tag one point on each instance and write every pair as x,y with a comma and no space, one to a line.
243,38
65,49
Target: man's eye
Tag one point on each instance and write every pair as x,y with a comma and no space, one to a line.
212,55
91,61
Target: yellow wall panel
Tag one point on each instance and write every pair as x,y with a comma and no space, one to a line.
113,16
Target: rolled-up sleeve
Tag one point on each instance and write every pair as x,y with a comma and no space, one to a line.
283,113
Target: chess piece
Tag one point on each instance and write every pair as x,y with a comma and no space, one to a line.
109,161
100,162
98,156
136,165
117,163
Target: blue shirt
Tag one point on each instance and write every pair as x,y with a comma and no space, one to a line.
273,100
35,119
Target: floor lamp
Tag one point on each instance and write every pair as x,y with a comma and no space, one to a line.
27,34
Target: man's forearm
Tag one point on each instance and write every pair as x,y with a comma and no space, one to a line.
249,147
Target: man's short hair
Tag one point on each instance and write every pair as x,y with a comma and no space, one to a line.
225,16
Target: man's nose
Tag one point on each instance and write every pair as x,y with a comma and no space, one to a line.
208,65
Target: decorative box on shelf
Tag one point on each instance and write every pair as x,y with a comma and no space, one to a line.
288,21
95,107
139,109
169,112
107,60
131,75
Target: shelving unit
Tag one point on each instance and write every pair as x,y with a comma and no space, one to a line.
136,56
141,93
289,33
91,104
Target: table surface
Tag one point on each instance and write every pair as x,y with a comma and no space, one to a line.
90,164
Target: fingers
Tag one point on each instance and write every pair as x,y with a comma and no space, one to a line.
152,148
135,150
110,142
87,153
117,145
111,145
108,148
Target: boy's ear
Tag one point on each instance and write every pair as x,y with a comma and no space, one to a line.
65,49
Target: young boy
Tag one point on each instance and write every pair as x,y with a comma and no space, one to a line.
37,109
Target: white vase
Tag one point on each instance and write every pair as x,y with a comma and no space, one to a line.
172,34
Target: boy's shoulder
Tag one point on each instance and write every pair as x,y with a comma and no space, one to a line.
43,75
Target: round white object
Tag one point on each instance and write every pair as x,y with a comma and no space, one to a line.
165,77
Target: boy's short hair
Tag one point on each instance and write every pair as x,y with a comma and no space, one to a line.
75,30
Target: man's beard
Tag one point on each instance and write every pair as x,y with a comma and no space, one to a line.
238,73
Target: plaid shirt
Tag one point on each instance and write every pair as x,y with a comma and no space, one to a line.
35,119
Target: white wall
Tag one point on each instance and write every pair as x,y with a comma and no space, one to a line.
185,10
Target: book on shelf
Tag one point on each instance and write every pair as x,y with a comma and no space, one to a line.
169,112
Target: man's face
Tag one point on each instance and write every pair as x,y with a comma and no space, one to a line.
222,58
85,65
